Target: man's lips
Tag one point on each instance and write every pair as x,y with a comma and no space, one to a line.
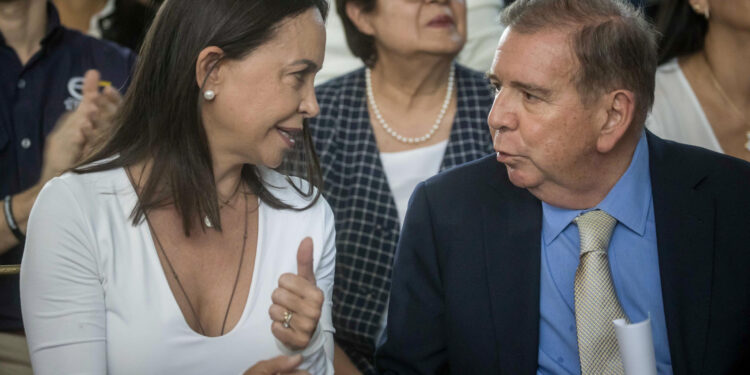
504,157
441,21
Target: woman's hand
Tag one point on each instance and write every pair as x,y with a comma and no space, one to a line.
279,365
297,302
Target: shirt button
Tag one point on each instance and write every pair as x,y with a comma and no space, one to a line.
21,83
25,143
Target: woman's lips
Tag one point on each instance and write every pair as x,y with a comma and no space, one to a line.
441,21
287,134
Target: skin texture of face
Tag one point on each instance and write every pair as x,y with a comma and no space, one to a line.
263,98
417,26
542,132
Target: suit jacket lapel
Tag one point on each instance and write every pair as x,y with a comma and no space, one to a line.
684,230
512,222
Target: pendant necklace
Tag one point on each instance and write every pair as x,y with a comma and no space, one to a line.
179,283
206,221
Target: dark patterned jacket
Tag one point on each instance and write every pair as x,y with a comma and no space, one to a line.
355,185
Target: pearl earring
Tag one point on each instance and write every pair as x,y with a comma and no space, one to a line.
209,95
699,9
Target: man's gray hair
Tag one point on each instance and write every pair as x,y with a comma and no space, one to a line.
615,46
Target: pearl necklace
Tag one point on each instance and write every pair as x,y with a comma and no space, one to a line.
393,133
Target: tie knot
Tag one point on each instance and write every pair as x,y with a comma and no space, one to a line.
595,229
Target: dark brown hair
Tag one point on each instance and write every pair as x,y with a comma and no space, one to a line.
361,44
613,42
683,31
161,120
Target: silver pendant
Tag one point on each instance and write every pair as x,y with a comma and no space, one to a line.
207,222
747,145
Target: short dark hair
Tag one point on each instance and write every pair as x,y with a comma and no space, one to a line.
614,44
683,31
160,118
361,44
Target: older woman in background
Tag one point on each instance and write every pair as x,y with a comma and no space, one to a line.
703,85
411,112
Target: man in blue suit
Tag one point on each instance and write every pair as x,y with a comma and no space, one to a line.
518,263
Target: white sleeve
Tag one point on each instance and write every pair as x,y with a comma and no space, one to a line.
62,298
318,356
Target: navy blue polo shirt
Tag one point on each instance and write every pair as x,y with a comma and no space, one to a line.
32,99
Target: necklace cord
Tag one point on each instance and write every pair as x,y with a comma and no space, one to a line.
177,278
726,97
720,88
237,278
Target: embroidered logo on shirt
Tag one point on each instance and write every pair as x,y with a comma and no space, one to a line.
75,89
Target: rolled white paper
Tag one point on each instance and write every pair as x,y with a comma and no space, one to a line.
636,347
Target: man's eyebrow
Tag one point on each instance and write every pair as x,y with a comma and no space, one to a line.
543,91
311,65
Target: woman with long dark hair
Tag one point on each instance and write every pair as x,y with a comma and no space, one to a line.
177,248
703,85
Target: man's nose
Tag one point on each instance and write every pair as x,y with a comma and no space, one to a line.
502,115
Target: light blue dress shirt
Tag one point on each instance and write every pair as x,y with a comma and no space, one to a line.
633,260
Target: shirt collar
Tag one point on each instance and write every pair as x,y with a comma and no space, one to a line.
95,29
53,23
628,201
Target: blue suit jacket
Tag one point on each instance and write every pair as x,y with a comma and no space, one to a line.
465,292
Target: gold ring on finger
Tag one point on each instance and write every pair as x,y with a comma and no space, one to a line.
287,318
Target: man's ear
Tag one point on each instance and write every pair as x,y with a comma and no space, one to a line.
359,18
207,68
620,108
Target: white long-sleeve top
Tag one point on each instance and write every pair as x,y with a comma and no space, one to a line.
95,299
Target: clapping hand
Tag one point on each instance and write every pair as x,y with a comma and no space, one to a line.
297,302
76,132
107,103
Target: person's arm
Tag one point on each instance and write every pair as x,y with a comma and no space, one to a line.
342,364
416,342
62,298
65,147
21,207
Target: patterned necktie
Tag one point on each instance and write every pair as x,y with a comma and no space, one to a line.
596,303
